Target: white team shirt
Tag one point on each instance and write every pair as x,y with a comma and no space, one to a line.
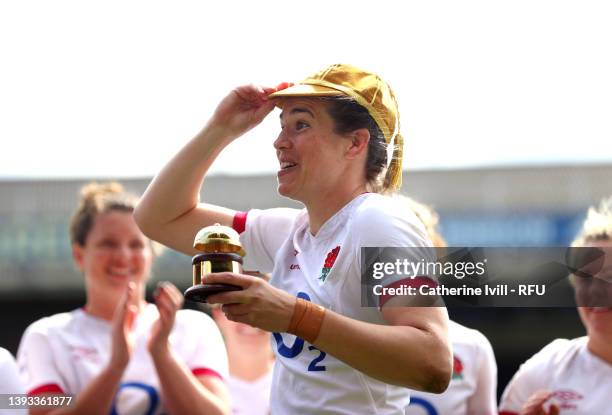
473,386
579,380
62,353
10,383
250,398
325,269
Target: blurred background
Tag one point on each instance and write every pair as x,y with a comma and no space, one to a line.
505,109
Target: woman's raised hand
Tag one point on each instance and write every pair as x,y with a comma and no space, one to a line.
168,300
244,108
122,338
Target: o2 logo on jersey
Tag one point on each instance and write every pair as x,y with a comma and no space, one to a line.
148,390
422,404
298,345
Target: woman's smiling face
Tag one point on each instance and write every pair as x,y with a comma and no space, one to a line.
310,153
115,252
595,293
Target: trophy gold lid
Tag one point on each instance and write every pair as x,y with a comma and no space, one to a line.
218,239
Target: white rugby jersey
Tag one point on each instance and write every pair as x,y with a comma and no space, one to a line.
62,353
579,380
325,269
10,382
473,387
250,398
9,375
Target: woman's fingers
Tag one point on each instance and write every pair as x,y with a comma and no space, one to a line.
535,404
168,300
130,317
252,93
284,85
164,304
122,311
130,310
236,309
240,313
240,280
168,290
122,326
258,304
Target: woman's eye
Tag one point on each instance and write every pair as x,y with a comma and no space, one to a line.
136,245
107,243
300,125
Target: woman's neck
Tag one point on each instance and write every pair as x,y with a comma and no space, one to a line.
600,348
328,204
249,362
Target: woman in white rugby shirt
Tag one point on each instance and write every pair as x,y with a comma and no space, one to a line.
118,354
574,376
10,383
473,387
333,355
250,365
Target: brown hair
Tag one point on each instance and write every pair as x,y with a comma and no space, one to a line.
348,115
428,216
98,198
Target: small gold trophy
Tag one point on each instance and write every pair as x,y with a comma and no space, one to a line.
221,252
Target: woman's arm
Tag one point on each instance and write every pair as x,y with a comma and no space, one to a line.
169,211
412,351
98,396
182,391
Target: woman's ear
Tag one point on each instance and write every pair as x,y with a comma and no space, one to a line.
358,145
77,255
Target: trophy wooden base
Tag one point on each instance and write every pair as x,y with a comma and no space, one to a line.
200,293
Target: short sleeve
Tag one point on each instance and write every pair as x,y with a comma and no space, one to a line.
484,400
36,363
264,233
209,356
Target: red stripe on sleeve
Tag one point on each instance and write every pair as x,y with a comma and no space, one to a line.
508,413
239,223
204,371
409,282
48,388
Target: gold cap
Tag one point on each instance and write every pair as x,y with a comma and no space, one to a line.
218,239
372,93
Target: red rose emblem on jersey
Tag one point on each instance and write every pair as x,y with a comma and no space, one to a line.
331,257
457,368
329,263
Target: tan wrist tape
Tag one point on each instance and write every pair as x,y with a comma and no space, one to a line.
306,320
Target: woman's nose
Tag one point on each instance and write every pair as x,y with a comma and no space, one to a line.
122,253
281,141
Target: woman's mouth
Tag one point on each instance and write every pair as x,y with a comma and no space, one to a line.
286,167
600,309
119,273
